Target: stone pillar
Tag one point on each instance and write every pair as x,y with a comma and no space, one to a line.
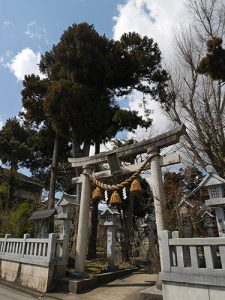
220,219
158,194
110,246
66,230
82,235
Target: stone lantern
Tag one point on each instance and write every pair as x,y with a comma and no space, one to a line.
65,209
215,186
184,209
110,219
208,222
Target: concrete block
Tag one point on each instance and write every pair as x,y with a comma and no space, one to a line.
9,270
76,286
34,277
185,292
216,294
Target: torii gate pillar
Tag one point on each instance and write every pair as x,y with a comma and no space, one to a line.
83,223
158,195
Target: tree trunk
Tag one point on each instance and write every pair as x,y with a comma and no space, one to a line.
92,253
9,203
128,228
52,187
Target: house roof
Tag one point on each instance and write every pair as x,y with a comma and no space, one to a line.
68,199
22,178
210,179
110,210
184,201
43,214
207,213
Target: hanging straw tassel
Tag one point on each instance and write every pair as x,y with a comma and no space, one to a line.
135,187
115,199
97,194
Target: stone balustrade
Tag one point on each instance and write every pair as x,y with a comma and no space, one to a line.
26,249
192,267
36,263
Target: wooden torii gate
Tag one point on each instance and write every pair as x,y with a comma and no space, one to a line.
152,147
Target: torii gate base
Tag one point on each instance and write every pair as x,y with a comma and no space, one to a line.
152,147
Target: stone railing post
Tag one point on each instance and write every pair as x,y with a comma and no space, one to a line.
25,237
5,242
165,235
51,246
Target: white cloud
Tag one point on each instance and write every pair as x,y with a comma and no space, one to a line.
25,63
160,122
2,60
157,19
4,57
7,23
154,18
35,31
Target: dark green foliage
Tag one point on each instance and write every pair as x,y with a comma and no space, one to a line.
213,64
33,94
4,187
89,71
16,222
14,152
14,149
138,66
87,112
43,132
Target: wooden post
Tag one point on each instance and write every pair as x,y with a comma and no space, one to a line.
83,224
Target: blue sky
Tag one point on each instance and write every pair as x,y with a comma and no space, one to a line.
36,25
28,28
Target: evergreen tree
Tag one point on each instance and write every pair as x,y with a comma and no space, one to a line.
14,151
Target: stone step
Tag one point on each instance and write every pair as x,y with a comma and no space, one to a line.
151,293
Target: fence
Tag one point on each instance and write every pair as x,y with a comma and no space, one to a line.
33,263
193,267
37,250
